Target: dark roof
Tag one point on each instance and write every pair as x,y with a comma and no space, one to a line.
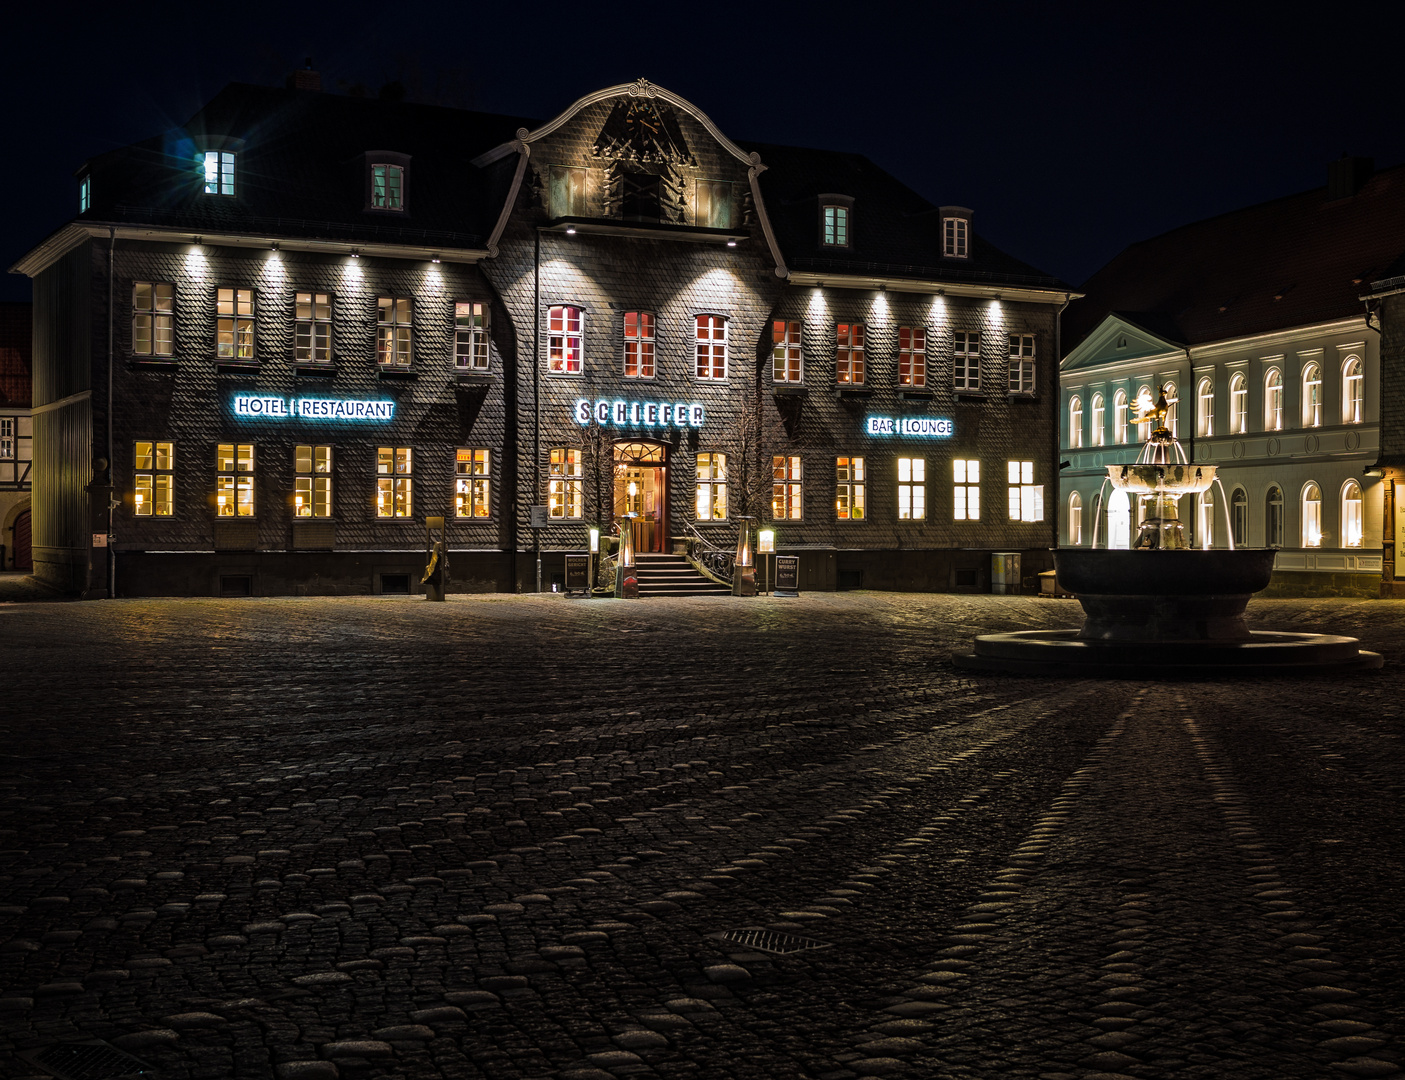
1294,261
301,169
16,353
895,231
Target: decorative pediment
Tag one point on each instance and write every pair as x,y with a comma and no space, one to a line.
1118,338
643,129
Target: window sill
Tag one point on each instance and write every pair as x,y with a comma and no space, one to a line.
397,373
974,395
853,391
916,395
1023,397
473,378
790,389
155,363
234,366
315,369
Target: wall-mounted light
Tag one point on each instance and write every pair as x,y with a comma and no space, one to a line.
882,286
355,254
570,230
197,240
273,246
436,259
731,243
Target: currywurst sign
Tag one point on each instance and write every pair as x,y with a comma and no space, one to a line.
264,407
653,414
927,427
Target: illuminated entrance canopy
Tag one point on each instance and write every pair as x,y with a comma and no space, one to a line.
281,408
633,414
926,427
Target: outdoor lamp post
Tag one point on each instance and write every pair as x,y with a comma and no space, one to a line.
766,545
594,533
744,566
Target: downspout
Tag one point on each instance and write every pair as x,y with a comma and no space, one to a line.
111,316
1058,414
536,394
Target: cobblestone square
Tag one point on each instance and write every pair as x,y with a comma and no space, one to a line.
506,837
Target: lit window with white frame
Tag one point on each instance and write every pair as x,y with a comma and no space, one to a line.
787,359
1025,496
1172,409
234,480
1312,396
153,318
1145,398
849,354
912,357
394,331
388,187
219,172
394,482
710,503
850,489
563,340
1312,515
1353,518
312,331
1239,517
565,498
1075,422
787,499
154,484
1075,519
1205,409
966,492
710,341
912,489
7,438
1205,519
312,481
966,361
955,232
836,226
1273,400
473,475
85,194
1273,518
1119,417
1353,390
471,336
1238,405
638,345
1098,420
1021,363
234,314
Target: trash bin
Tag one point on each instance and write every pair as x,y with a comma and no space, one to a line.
1005,573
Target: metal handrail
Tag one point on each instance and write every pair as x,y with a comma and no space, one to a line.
709,559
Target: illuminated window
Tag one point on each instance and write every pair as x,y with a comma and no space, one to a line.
1145,399
564,340
710,337
567,192
1205,413
954,237
1097,422
388,187
394,331
912,357
471,335
312,332
836,226
1205,519
1026,497
638,345
7,438
1273,400
712,207
1353,385
1172,409
564,495
850,489
1353,521
85,194
312,481
787,503
234,339
219,172
966,361
472,480
1075,422
1312,515
1312,396
153,318
912,489
234,480
712,487
1239,517
848,353
154,486
1075,518
1273,518
1238,405
1022,364
787,361
966,495
394,482
1119,417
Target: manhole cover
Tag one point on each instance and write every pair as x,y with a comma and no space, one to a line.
771,941
92,1060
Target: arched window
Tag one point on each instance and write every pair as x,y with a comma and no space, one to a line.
1143,396
1205,396
1239,517
1205,519
1312,515
1096,422
1273,400
1119,417
1353,522
1119,521
1171,411
1075,422
1238,405
1075,518
1312,396
1273,518
1353,386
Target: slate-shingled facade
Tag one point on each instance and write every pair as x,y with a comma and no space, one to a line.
631,203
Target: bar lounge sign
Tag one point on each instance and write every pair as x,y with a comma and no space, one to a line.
264,407
927,427
639,413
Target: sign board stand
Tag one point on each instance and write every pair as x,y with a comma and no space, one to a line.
787,575
578,574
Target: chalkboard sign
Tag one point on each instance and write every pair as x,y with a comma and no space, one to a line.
787,575
577,573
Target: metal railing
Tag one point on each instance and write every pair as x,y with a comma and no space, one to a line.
709,559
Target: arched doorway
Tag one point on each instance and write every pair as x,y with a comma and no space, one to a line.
23,557
641,488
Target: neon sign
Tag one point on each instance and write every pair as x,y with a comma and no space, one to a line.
268,407
926,427
677,414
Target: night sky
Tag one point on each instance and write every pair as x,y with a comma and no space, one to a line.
1071,130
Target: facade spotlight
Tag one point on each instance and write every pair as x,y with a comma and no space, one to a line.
436,259
273,246
731,243
570,230
355,254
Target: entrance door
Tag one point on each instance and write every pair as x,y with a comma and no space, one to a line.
641,488
23,560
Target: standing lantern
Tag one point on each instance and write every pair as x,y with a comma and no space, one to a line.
436,573
594,532
626,577
766,545
744,568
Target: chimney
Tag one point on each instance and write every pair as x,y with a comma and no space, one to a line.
305,78
1346,175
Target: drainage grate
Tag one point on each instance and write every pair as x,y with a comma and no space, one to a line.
771,941
92,1060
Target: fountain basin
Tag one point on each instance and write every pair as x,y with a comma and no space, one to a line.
1151,478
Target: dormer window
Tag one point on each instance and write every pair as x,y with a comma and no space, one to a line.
85,194
955,237
836,226
387,187
566,193
219,172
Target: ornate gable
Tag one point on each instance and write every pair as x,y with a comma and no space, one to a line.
643,130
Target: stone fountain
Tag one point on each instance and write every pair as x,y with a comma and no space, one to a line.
1161,607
